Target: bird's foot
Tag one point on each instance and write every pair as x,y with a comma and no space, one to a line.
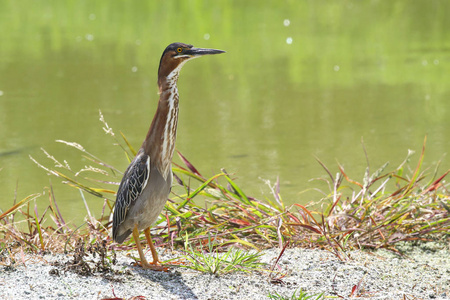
155,266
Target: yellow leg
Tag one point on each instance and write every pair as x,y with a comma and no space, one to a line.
156,261
144,263
152,247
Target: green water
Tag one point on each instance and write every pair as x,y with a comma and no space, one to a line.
299,79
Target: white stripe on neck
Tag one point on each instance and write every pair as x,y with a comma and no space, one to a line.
170,128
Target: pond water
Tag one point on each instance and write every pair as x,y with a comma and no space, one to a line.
300,79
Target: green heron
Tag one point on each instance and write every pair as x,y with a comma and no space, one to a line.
147,181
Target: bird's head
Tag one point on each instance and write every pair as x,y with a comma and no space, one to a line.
176,54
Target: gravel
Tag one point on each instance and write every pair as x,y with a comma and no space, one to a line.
423,274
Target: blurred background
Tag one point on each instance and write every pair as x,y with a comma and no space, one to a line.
300,79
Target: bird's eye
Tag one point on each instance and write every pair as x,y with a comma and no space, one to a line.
179,50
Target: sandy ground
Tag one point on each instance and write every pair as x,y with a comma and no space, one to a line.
423,274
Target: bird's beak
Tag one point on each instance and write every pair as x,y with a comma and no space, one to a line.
195,52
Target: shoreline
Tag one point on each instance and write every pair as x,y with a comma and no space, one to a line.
424,273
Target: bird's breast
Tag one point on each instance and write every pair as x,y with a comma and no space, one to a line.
169,134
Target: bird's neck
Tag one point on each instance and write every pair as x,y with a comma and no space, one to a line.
160,140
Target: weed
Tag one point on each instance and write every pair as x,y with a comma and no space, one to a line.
276,277
382,209
296,295
88,260
213,262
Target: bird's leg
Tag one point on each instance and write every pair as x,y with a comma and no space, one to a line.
144,263
156,261
152,247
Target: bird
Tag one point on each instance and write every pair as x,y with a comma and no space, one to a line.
147,181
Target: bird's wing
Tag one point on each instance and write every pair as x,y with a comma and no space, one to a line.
133,183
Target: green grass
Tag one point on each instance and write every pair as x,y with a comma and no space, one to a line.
379,211
296,295
214,262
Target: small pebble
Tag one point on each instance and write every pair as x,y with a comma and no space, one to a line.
387,276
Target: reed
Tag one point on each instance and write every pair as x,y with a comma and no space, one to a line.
378,211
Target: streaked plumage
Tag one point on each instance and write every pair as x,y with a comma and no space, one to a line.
147,181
